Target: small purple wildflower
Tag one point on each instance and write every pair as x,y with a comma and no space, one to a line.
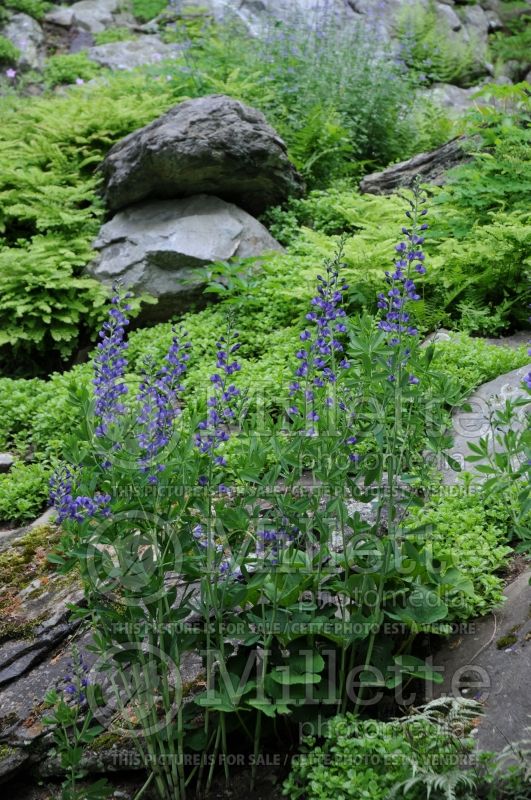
75,681
271,542
323,359
223,565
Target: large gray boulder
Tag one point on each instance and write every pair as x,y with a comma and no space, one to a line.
156,247
213,145
27,35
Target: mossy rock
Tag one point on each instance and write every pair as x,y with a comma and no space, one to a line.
31,549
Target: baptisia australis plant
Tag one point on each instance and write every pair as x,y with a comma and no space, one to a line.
211,530
73,728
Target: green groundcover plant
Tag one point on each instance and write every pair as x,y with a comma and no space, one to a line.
34,8
419,756
23,492
476,526
69,68
428,754
145,10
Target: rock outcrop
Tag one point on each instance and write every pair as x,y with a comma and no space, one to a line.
490,660
213,145
37,634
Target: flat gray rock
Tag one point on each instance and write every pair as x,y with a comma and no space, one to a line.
490,660
213,145
10,536
156,247
133,53
514,340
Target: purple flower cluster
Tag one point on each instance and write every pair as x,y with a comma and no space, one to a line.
222,405
158,397
73,508
272,541
76,680
224,566
322,353
402,291
110,364
323,358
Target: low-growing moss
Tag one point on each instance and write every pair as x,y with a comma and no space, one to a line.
119,34
109,739
13,562
13,629
506,641
6,751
